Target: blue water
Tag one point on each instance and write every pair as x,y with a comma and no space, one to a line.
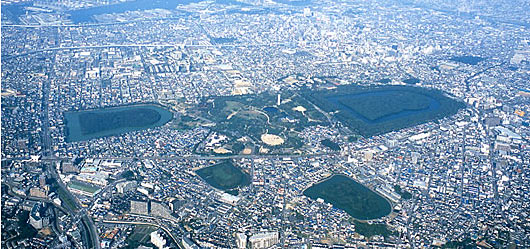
15,10
295,2
74,127
271,109
86,15
433,106
470,60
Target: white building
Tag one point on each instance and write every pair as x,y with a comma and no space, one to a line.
263,240
124,187
158,240
228,198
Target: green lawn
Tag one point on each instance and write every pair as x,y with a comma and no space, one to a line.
83,186
67,202
141,235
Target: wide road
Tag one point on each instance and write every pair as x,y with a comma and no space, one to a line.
173,158
466,81
143,223
84,24
79,214
91,234
139,45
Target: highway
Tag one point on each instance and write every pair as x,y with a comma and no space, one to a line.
466,81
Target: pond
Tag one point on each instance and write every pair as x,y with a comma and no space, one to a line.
470,60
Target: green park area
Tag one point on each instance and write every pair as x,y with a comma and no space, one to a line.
259,120
355,199
67,201
330,144
271,123
224,176
404,194
369,230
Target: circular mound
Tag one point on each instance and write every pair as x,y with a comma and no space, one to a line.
221,150
299,109
271,139
247,151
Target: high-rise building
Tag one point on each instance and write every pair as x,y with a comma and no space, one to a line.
42,181
176,204
391,143
263,240
160,210
124,187
139,207
241,240
307,11
38,192
368,155
69,167
415,156
40,216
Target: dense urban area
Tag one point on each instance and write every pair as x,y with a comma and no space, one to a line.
265,124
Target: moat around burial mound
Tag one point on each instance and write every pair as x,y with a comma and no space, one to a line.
380,109
95,123
354,198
